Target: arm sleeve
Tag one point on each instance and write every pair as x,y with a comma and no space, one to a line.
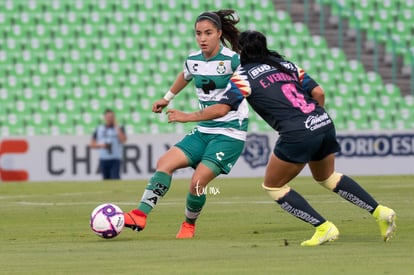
187,74
95,134
232,97
122,128
237,89
306,81
235,62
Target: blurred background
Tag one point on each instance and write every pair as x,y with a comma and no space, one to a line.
62,62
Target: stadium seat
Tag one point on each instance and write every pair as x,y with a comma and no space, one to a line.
85,56
385,21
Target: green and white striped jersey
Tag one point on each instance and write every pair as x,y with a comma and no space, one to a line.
211,77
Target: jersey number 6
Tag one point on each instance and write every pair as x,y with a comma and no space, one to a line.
297,99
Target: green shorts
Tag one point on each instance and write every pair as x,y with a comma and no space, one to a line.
220,150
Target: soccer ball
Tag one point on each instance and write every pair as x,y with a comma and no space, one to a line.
107,220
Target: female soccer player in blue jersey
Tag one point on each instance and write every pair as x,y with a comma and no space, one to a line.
291,102
213,147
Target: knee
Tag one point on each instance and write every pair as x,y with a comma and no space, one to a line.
276,193
273,183
197,186
165,165
331,182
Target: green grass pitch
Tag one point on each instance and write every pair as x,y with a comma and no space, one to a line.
44,229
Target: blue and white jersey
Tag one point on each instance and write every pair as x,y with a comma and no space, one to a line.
283,100
109,135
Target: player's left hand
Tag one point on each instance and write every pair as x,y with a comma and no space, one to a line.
176,116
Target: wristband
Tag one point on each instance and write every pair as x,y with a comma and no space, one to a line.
169,95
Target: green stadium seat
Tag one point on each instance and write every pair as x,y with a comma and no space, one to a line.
340,123
356,68
89,120
56,130
403,124
363,102
374,79
367,90
134,117
407,14
126,54
39,124
387,101
14,123
126,93
384,21
4,130
405,114
360,117
338,108
382,115
266,5
409,100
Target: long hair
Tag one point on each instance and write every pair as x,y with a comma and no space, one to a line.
253,48
224,20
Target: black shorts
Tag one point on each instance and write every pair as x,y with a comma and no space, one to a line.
313,148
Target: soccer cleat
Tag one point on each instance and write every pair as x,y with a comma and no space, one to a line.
386,220
326,232
187,231
135,219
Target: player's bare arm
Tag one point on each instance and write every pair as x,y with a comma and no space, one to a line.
319,95
177,86
209,113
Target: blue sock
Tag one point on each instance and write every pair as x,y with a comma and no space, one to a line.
348,189
296,205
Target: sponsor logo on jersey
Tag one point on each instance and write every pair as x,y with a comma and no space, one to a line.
289,66
221,69
313,122
259,70
208,85
195,67
256,150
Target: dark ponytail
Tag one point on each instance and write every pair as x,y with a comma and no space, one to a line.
230,31
225,21
253,48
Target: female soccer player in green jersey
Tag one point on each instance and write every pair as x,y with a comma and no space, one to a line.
213,147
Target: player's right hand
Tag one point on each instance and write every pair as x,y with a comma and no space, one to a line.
159,105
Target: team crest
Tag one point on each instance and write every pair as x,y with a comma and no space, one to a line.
256,151
221,69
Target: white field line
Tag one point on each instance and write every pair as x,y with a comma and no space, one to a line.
8,197
393,186
28,203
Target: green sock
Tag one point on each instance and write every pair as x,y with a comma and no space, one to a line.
156,189
193,207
